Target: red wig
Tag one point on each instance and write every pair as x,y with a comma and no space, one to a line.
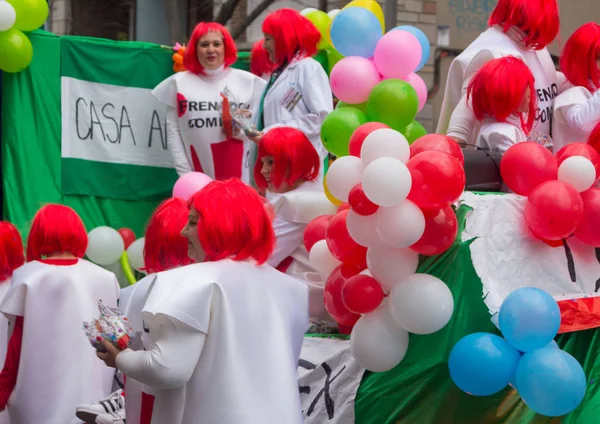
294,157
259,59
538,19
578,58
56,229
497,89
190,57
594,139
293,34
11,250
233,222
165,248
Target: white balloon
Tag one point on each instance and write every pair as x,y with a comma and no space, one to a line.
385,143
401,225
308,10
577,171
377,342
333,13
389,266
135,254
386,181
105,245
362,229
343,174
321,258
7,16
421,304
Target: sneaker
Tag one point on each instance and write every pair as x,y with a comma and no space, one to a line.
112,418
113,403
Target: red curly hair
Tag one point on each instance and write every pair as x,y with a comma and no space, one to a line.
165,248
12,255
233,222
190,57
293,33
56,229
538,19
497,89
579,56
294,157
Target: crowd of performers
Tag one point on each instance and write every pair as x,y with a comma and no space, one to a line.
221,314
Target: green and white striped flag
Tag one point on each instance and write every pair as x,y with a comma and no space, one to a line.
114,136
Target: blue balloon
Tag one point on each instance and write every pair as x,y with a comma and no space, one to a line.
529,319
355,32
482,364
552,345
550,381
422,39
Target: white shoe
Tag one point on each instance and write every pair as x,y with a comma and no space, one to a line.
111,418
112,404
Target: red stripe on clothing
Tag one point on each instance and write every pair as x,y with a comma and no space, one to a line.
8,376
285,264
147,407
60,261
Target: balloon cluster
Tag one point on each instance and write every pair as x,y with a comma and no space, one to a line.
16,17
106,246
549,380
178,58
399,199
561,199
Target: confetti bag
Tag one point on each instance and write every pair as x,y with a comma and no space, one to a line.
240,118
112,325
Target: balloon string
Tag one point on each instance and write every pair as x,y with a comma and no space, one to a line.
127,269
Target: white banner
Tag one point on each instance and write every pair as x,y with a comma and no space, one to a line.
110,123
328,379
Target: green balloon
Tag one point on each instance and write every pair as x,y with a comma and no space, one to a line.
393,102
414,131
16,51
361,106
333,57
338,127
31,14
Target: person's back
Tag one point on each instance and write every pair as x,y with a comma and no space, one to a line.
256,318
57,368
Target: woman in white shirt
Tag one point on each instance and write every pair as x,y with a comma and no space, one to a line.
298,94
503,99
520,28
577,110
201,135
225,333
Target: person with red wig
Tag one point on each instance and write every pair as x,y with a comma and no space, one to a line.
200,131
225,332
164,248
503,99
259,61
520,28
577,110
50,367
298,94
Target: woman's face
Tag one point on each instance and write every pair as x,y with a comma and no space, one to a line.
211,50
524,106
190,231
266,171
269,46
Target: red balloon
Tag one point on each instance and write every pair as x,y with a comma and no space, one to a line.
344,206
441,228
440,143
359,202
554,210
525,166
332,294
362,294
315,231
359,135
438,179
127,235
580,149
588,230
342,246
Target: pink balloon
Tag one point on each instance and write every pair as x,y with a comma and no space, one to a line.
189,184
420,87
353,78
397,54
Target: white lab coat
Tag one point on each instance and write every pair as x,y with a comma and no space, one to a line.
576,113
304,79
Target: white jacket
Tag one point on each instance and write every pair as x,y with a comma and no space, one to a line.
576,113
